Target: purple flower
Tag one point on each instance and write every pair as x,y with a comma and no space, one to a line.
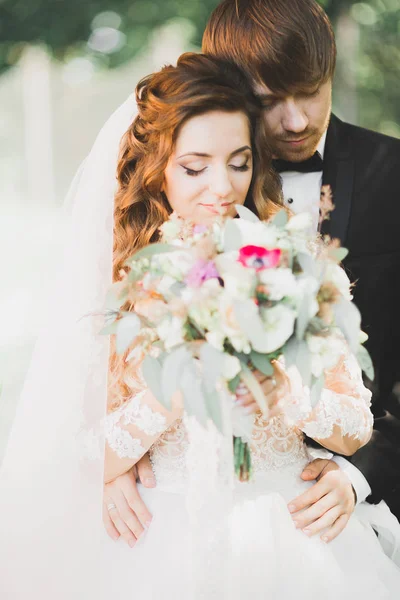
200,272
198,229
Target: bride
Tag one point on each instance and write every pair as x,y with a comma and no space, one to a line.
196,147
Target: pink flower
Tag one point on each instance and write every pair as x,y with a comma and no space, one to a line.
259,258
198,229
200,272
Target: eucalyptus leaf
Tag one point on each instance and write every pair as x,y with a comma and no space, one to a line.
171,372
365,362
152,250
307,264
297,353
152,373
338,254
251,324
233,383
127,329
232,238
213,405
348,319
280,219
303,317
247,214
316,389
262,363
250,380
116,296
190,384
212,363
109,329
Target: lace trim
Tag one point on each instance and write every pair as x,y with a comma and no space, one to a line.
137,414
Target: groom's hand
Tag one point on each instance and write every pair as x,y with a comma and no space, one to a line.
328,504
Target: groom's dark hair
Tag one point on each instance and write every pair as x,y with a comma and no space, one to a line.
286,44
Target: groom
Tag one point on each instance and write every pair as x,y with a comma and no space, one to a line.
288,47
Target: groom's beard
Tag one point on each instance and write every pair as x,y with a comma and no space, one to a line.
284,149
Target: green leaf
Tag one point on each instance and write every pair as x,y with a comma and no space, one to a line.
316,389
232,238
280,219
171,372
365,362
348,319
255,388
152,372
303,317
190,384
307,264
213,406
233,383
251,324
245,213
262,362
212,364
116,296
338,254
152,250
297,353
127,329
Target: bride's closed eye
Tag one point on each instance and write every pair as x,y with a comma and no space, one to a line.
194,173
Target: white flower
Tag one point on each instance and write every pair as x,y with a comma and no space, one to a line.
170,230
231,367
326,352
175,264
170,332
337,275
216,339
230,326
239,281
281,283
258,234
278,324
300,222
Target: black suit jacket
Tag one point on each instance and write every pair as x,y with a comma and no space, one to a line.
363,169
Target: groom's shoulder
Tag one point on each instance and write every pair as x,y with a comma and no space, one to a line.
367,140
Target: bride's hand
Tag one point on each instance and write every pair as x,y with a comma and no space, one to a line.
124,512
274,388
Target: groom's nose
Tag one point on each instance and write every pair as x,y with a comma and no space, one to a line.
294,118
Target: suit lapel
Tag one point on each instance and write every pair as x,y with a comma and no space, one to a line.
339,174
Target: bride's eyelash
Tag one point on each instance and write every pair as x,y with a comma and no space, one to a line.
193,173
244,167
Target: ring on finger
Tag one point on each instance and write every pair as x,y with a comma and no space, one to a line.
274,382
111,506
241,390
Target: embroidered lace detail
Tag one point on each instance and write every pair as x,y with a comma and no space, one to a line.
276,445
132,413
168,455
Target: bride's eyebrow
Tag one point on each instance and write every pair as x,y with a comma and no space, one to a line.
204,155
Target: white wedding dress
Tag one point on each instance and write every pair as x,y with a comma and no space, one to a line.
211,538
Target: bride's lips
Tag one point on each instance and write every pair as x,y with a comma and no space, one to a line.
216,209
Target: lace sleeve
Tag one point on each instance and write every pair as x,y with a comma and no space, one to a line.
132,429
342,411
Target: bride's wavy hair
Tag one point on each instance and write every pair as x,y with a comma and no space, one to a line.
166,100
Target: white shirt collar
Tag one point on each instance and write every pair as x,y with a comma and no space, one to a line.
321,145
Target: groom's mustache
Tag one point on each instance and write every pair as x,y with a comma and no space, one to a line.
291,138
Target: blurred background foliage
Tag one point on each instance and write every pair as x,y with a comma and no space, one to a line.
109,33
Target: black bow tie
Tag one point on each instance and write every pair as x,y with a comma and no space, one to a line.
311,165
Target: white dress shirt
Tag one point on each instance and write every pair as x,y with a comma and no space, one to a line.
301,193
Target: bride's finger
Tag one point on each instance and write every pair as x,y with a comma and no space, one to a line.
123,518
109,525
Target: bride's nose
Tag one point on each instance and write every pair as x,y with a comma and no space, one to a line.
220,184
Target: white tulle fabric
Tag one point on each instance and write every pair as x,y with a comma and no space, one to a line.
50,497
211,537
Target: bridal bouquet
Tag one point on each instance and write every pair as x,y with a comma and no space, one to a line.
205,307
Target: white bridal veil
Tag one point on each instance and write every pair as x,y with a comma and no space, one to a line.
50,496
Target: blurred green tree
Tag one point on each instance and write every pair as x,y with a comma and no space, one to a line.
113,31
